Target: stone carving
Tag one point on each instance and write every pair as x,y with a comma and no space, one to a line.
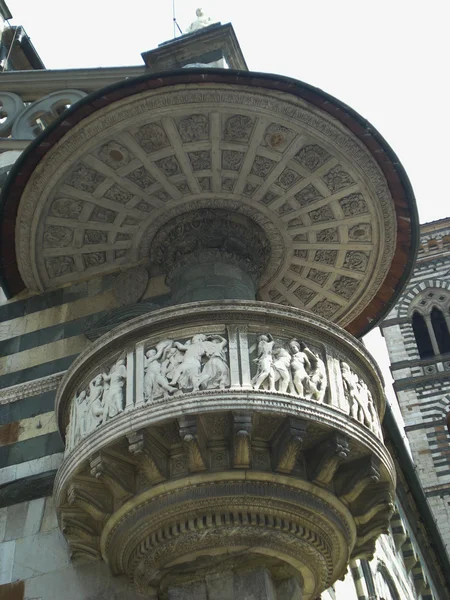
117,194
268,198
325,308
141,177
194,128
327,257
11,106
103,215
322,214
360,233
85,179
57,236
250,189
345,286
353,205
152,137
94,236
285,209
296,222
200,22
59,266
36,116
288,178
238,128
169,166
162,195
66,208
294,370
312,157
103,400
278,137
94,259
308,195
205,184
145,206
356,260
200,160
183,188
130,221
228,236
300,237
262,166
328,235
296,269
228,184
197,364
360,399
301,254
114,155
337,179
304,294
232,160
317,276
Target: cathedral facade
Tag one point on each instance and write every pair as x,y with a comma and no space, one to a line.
190,253
418,340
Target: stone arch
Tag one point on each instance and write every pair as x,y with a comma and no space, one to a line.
405,307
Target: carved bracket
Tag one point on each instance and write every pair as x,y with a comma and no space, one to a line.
353,478
117,474
325,458
242,428
191,443
288,445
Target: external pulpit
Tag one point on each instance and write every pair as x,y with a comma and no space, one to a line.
229,439
225,435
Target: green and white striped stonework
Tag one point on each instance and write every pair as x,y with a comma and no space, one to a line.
40,336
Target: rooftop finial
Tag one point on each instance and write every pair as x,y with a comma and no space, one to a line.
201,21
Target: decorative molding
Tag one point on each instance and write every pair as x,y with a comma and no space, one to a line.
31,388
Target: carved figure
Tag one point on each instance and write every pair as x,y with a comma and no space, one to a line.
187,374
78,429
113,394
201,21
95,413
350,381
155,382
264,362
300,365
317,381
282,371
216,373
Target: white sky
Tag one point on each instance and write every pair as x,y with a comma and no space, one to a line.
387,59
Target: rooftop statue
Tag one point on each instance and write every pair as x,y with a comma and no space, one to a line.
200,22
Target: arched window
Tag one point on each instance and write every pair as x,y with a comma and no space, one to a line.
430,312
423,339
440,330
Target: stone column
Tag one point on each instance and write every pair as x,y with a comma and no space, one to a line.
255,584
212,275
211,254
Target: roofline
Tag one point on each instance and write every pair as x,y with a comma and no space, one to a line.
396,177
4,10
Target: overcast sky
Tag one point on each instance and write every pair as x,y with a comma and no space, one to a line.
387,59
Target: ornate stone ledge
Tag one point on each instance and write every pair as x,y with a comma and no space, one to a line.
201,430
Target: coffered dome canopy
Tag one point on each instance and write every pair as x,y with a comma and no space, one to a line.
94,192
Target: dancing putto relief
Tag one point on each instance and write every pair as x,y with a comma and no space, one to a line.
293,370
171,368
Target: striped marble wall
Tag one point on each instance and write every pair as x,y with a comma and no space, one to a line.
423,385
40,336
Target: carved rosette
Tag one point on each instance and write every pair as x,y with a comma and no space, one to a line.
192,435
